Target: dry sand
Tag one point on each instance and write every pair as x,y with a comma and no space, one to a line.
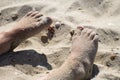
35,57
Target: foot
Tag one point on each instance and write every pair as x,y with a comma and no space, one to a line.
84,48
32,21
31,24
79,63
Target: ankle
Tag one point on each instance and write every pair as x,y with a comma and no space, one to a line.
81,66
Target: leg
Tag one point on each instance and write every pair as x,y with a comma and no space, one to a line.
79,63
31,24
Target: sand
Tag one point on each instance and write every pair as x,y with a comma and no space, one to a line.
37,56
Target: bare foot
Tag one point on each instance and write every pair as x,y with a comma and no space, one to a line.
31,24
79,63
84,48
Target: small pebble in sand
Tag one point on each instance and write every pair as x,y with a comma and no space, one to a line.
57,25
99,40
7,19
108,64
116,38
51,33
14,16
47,72
79,8
0,12
72,32
44,39
51,29
113,57
99,2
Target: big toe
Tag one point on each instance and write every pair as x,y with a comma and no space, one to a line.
49,20
78,30
46,20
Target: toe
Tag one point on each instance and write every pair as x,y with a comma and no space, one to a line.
88,32
80,27
84,31
34,13
44,20
78,31
38,15
29,13
48,20
38,19
92,35
96,38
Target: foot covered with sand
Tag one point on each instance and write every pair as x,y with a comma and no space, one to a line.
31,24
78,66
84,48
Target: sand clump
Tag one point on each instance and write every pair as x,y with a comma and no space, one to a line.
38,55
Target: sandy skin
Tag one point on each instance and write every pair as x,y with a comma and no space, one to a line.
79,64
84,47
31,24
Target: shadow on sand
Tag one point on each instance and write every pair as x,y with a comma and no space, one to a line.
95,70
29,57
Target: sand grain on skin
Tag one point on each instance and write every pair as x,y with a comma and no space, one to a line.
102,15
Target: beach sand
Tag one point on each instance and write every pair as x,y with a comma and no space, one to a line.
37,56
